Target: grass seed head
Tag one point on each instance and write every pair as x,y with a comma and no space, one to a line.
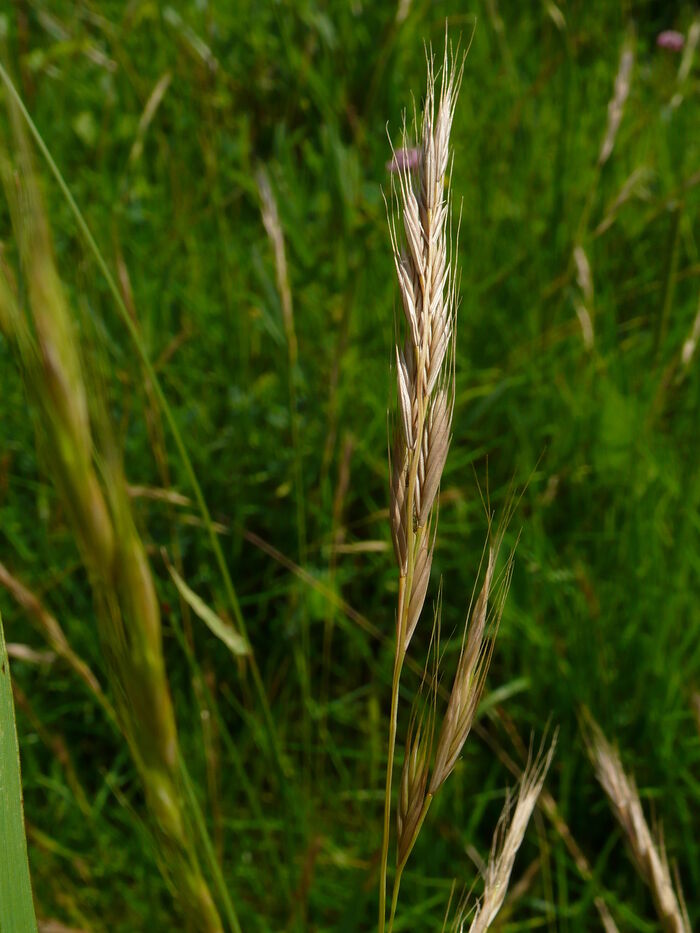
469,680
649,853
507,840
426,272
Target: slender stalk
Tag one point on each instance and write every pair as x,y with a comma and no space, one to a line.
214,865
395,897
302,650
405,583
390,766
402,864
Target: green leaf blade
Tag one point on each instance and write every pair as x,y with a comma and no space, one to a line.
16,904
236,644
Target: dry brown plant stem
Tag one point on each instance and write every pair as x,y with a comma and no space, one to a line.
55,636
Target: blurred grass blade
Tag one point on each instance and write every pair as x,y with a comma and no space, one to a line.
213,861
236,644
16,904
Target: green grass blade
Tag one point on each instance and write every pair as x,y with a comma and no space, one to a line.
214,866
226,633
16,904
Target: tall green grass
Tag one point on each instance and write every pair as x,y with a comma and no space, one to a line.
603,608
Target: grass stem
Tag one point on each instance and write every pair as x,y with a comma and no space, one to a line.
387,795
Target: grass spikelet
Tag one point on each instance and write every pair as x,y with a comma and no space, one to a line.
468,684
648,851
616,106
508,839
414,781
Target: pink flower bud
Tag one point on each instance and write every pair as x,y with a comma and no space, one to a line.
671,40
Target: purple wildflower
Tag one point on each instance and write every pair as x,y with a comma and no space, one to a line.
670,39
404,159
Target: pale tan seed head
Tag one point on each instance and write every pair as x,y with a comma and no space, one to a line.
507,840
472,668
616,106
648,852
421,241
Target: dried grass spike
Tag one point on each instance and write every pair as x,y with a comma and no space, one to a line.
616,106
468,684
648,853
508,839
419,221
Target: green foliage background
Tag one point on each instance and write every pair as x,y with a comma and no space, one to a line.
604,608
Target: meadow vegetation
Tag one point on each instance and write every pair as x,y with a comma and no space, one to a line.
203,691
